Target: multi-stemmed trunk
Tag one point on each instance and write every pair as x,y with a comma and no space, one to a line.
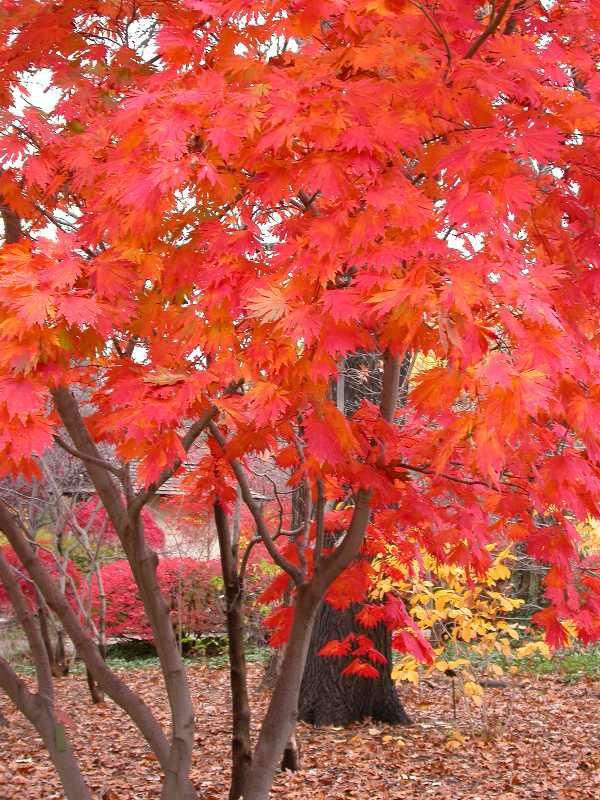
39,708
40,711
125,517
118,691
280,720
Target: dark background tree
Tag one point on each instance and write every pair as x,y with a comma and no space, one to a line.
327,697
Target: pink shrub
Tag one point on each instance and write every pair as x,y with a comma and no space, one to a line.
191,588
92,515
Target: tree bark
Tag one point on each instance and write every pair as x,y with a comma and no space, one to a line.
241,751
118,691
176,785
280,719
96,692
143,561
329,698
12,223
40,713
39,708
42,615
326,696
291,755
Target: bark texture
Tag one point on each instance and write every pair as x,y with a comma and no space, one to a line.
241,751
125,517
280,719
40,712
118,691
326,696
329,698
39,708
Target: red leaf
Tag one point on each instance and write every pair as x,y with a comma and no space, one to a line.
336,648
361,669
555,634
370,615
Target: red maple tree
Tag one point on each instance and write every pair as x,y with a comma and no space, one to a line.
219,202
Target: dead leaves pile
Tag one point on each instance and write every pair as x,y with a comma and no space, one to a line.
536,740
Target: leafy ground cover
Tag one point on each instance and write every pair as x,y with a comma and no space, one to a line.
571,665
534,739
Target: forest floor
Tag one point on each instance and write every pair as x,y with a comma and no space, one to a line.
536,739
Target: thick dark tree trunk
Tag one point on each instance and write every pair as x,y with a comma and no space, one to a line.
326,696
329,698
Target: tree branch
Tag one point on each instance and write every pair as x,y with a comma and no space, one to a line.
348,549
319,522
426,470
108,491
493,24
12,224
261,528
143,496
118,691
90,458
390,386
439,30
34,639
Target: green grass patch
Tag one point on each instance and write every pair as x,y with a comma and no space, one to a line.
148,660
571,665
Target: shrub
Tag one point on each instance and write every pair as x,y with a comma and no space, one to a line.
92,515
49,560
192,589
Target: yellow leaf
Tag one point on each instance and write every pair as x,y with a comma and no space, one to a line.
531,648
499,572
454,740
472,689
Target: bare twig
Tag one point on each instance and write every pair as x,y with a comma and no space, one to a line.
194,431
426,470
292,570
92,459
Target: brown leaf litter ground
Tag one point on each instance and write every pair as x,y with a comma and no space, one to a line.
537,739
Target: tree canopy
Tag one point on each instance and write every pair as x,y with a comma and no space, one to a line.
208,206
